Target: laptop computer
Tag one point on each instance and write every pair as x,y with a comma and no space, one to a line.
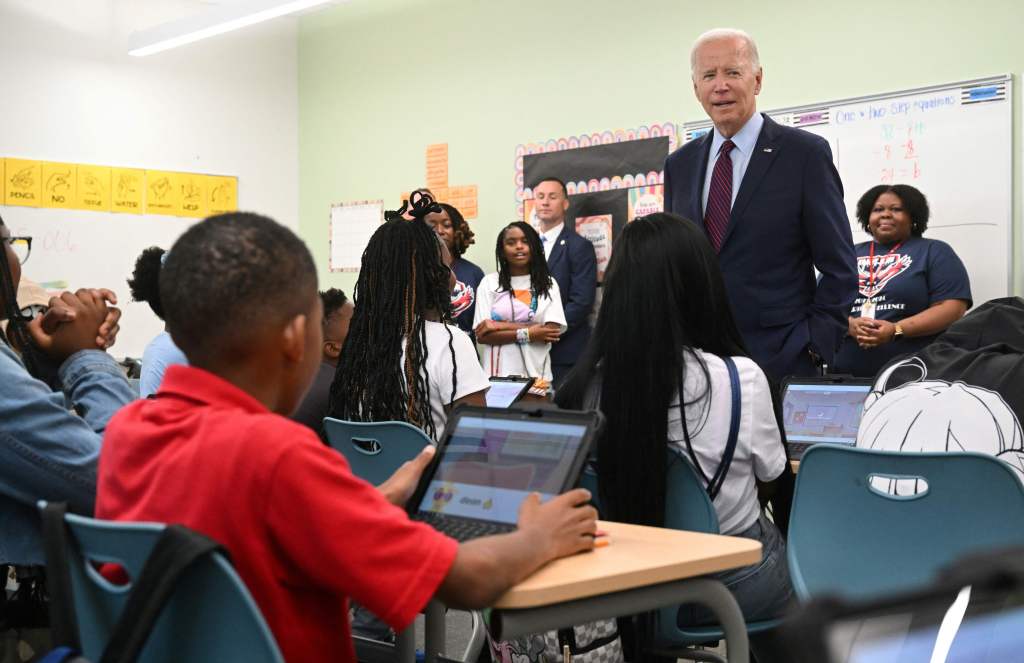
505,391
822,410
490,459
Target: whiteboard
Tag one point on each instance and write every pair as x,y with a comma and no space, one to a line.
352,226
954,142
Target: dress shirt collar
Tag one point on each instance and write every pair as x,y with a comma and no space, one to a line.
549,237
745,138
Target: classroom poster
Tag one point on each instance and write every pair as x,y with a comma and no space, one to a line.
221,194
92,189
598,231
437,165
162,193
352,225
463,198
59,185
51,184
644,200
192,195
23,182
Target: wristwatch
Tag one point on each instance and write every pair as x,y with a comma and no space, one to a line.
898,332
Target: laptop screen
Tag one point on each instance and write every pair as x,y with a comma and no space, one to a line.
817,412
505,391
491,464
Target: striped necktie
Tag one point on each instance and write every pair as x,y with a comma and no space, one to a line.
716,216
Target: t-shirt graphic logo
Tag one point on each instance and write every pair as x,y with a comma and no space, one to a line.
886,268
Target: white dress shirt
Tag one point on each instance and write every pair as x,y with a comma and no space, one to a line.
547,239
744,140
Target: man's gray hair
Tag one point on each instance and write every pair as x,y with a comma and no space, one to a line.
725,33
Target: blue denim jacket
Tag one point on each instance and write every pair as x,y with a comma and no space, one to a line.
46,450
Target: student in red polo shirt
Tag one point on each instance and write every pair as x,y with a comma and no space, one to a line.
212,451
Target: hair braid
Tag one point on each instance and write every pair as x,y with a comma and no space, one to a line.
401,283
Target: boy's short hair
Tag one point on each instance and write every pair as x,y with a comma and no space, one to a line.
229,277
333,300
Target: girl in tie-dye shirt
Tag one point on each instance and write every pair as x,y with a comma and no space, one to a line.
519,309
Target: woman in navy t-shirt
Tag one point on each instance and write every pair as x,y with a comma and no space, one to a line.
454,231
910,288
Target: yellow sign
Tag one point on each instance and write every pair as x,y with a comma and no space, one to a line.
127,186
59,184
221,194
93,188
162,193
23,183
49,184
192,195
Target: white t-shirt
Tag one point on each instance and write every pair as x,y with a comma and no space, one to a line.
469,375
533,359
759,450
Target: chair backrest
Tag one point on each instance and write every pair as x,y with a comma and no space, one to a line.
848,534
374,450
687,504
210,616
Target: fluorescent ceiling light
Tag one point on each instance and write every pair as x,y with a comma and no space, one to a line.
215,22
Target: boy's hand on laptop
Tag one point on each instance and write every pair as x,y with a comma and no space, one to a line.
563,525
398,488
74,323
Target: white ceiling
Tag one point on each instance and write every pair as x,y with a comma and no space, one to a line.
103,24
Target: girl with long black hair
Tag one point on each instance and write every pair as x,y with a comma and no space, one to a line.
657,366
519,309
403,359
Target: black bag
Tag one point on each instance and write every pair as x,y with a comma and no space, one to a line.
177,548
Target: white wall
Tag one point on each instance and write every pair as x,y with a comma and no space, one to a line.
71,93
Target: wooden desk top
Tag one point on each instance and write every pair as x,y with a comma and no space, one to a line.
637,556
795,465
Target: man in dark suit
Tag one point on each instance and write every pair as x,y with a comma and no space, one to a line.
573,264
771,202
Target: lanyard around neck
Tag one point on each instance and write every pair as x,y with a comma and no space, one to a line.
871,262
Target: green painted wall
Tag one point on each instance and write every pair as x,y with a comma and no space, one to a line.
379,80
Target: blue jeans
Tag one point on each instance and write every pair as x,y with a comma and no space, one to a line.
763,590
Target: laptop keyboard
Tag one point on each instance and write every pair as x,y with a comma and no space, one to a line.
462,529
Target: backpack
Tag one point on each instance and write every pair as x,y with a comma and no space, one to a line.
176,549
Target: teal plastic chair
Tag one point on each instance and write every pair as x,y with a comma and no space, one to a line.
849,536
688,508
210,617
374,450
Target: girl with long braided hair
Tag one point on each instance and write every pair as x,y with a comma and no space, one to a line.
519,309
403,359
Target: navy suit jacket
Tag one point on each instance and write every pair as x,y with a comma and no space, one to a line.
573,264
788,219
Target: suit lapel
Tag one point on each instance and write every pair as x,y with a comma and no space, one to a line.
697,185
765,150
559,248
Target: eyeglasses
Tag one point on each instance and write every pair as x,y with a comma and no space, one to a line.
22,247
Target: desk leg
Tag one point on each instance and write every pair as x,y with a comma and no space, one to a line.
434,627
405,645
720,601
510,623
